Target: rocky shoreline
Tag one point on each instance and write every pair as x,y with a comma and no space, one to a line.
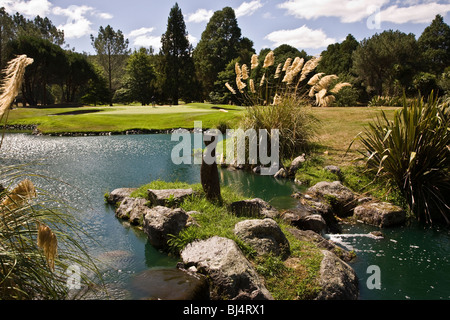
219,261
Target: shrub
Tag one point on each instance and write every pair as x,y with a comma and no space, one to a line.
412,153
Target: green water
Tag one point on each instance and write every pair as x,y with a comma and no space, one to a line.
414,262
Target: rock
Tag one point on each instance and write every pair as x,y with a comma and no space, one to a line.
313,222
209,175
132,209
280,174
310,206
333,169
118,195
321,242
256,208
264,236
295,164
170,284
161,222
340,197
337,279
168,197
380,214
232,275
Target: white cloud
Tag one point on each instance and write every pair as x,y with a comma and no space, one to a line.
200,15
248,8
30,8
78,25
301,38
143,38
104,15
347,11
420,13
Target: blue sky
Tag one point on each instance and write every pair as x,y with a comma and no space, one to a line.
305,24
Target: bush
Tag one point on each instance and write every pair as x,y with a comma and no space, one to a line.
292,117
412,153
385,101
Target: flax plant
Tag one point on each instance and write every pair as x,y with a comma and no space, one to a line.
412,153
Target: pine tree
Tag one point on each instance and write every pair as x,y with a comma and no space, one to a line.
435,46
112,48
177,52
220,43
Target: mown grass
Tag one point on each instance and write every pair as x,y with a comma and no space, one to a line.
122,118
294,278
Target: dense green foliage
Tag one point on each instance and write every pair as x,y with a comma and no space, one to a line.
387,64
412,153
178,64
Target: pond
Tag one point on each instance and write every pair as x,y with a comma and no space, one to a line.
414,262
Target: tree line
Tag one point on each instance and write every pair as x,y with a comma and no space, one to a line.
387,64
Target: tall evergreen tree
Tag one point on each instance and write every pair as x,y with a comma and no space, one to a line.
435,46
178,64
220,43
112,49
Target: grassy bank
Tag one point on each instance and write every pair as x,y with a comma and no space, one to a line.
122,118
285,281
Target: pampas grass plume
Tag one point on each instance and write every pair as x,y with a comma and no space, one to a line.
269,60
10,86
254,61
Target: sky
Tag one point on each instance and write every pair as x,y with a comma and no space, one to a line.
309,25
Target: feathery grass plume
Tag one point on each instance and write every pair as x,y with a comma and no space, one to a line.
244,72
325,82
230,88
14,73
269,60
287,64
319,97
261,83
277,99
254,61
47,241
309,66
252,86
278,71
315,79
19,195
241,85
339,86
328,100
238,70
293,70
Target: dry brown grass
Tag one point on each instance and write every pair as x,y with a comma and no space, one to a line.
339,126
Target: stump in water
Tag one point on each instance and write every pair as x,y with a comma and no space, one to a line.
209,174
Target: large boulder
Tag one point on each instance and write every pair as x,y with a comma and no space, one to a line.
255,208
341,198
162,222
232,275
380,214
132,209
168,197
337,279
264,236
117,195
